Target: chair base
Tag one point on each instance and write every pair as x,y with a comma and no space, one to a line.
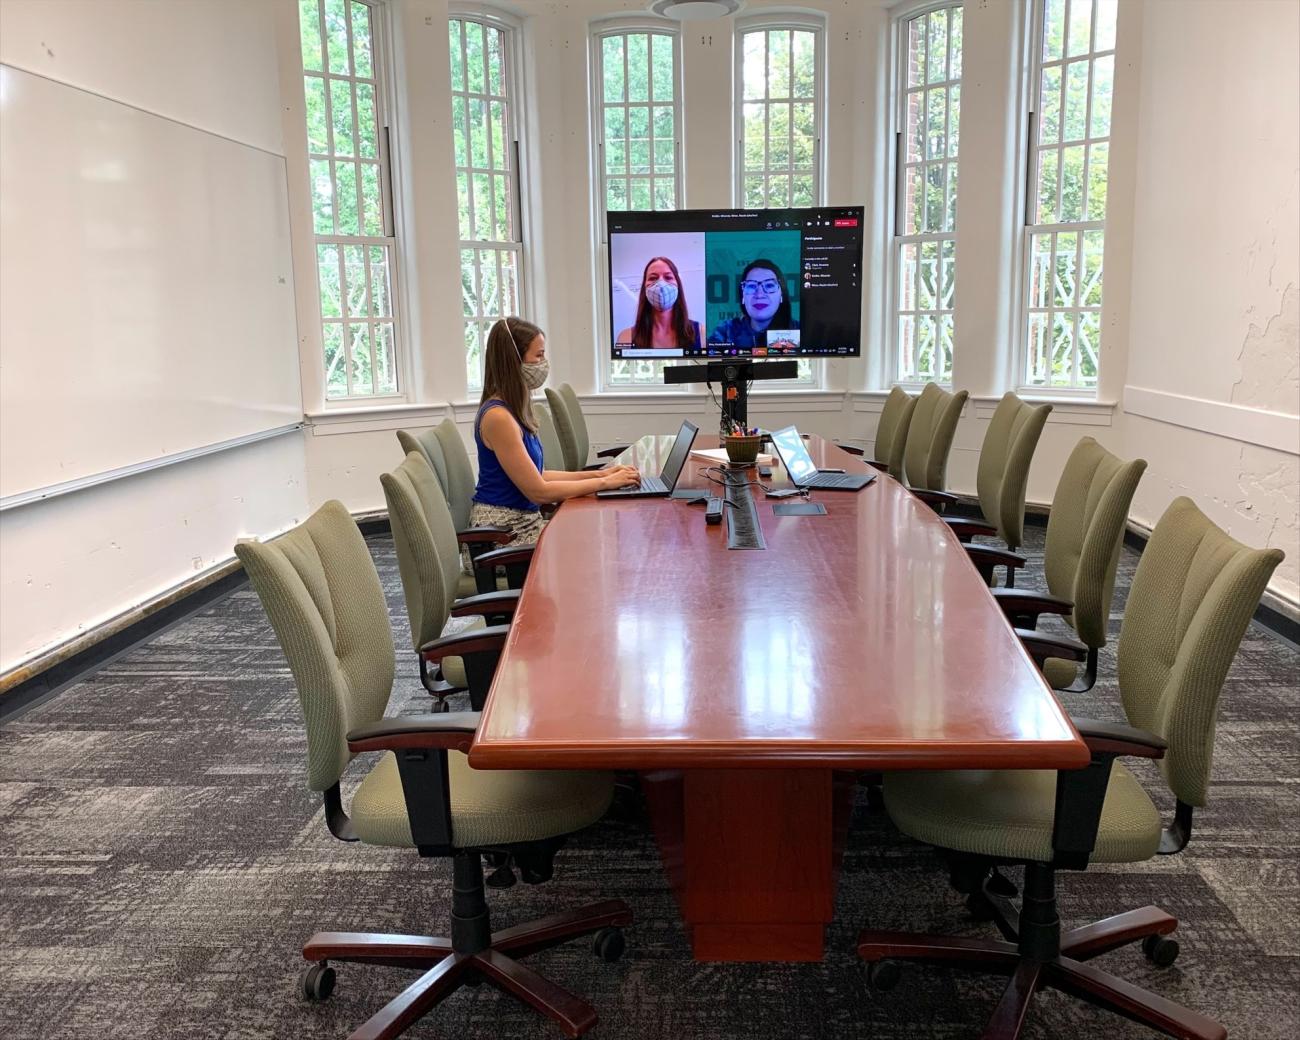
446,970
1067,972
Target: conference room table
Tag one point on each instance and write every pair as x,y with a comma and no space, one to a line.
748,687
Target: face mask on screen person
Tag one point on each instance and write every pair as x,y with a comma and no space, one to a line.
661,295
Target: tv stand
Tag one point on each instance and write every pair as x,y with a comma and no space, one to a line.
735,375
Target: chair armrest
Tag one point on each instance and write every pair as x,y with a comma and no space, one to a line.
452,730
1042,645
487,603
474,641
484,536
500,557
966,527
986,557
882,467
852,449
1022,606
936,500
1115,738
609,453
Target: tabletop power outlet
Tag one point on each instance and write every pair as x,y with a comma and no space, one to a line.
713,511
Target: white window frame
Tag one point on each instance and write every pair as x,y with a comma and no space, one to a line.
382,62
604,320
513,69
896,238
802,21
1028,202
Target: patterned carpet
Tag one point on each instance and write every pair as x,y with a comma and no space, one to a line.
161,861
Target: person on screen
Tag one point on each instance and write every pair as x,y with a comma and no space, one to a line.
762,306
662,318
511,481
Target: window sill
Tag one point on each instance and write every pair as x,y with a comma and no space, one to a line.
374,418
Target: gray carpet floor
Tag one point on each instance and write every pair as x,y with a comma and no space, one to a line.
161,861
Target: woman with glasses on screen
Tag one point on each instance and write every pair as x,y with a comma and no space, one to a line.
511,481
662,318
763,306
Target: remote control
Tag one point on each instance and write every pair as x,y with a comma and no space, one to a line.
713,511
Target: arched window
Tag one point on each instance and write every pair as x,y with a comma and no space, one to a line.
1065,220
486,143
347,145
928,52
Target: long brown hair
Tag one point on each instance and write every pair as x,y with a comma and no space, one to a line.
503,377
643,330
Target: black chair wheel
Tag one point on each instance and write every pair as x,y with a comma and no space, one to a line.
441,707
1001,885
316,982
609,944
883,976
1160,951
502,877
875,798
979,907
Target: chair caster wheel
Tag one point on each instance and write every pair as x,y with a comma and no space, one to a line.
876,798
999,884
1160,951
883,976
979,907
442,708
502,877
316,982
609,944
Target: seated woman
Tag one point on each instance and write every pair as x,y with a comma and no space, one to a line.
662,317
762,304
511,481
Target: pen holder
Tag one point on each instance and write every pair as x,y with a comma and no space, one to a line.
743,451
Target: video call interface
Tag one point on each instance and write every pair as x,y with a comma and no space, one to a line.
736,283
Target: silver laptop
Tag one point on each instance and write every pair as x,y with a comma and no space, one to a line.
799,464
662,485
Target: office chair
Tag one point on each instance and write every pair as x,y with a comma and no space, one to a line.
552,450
427,444
1003,474
929,442
891,434
1085,533
428,560
1192,597
323,598
571,427
460,487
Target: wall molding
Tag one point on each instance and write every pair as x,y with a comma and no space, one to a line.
1275,430
376,419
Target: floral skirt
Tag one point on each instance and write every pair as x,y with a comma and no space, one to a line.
525,524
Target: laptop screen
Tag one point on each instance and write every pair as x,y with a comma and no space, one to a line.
794,456
677,457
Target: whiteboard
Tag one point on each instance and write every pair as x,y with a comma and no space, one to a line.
146,288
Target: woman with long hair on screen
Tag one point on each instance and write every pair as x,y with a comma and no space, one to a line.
511,481
763,306
662,317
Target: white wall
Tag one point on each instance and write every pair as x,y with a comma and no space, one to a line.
75,561
1215,312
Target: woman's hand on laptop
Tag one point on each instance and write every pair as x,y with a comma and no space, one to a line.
619,477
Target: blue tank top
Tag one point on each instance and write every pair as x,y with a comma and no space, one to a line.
495,488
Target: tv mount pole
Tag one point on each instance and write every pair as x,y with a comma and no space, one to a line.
735,375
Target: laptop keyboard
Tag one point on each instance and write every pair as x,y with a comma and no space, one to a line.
834,480
743,531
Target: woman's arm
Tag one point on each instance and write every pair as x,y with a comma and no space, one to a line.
501,433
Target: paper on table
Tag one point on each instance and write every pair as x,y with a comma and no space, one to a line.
720,455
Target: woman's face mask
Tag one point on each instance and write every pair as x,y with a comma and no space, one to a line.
662,295
535,374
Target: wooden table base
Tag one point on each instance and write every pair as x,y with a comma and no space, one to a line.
753,856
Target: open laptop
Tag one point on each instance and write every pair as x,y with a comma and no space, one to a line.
662,485
799,464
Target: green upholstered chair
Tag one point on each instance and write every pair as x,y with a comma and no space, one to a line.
1191,600
1085,533
324,601
891,434
552,449
571,427
427,444
428,560
929,439
1003,473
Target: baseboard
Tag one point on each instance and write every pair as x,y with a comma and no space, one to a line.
41,677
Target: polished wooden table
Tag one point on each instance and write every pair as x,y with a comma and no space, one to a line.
745,685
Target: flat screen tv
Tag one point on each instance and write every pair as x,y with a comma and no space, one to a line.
736,283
